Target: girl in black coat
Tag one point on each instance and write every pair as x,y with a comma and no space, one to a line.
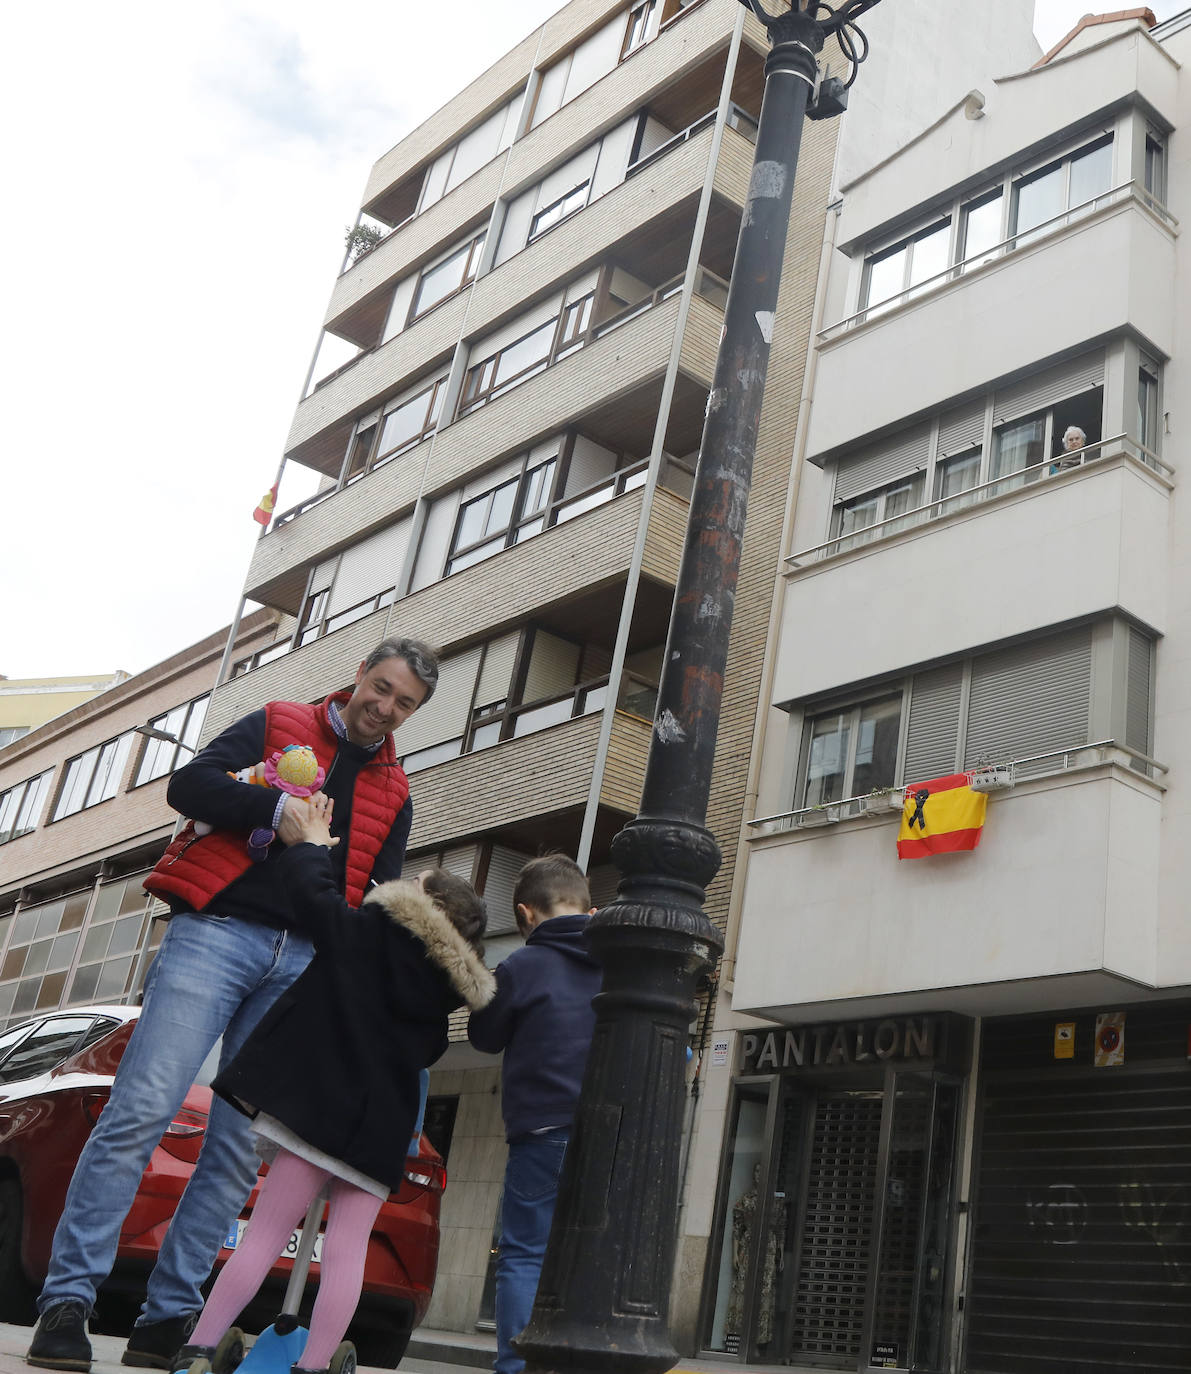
331,1073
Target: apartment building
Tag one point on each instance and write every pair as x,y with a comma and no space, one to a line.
957,1089
83,817
504,412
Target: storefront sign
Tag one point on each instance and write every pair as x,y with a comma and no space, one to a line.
885,1355
849,1043
719,1053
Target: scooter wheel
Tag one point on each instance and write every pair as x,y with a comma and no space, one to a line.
344,1360
229,1352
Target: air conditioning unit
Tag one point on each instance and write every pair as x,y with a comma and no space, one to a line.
993,778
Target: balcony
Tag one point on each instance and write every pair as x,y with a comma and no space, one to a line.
590,549
521,782
1006,559
1057,906
1015,310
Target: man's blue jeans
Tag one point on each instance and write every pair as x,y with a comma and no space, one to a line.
531,1188
213,975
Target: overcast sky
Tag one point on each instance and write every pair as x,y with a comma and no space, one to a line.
179,180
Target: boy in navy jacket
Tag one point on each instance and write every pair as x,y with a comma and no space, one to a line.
541,1017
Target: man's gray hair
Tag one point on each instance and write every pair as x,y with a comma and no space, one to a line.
421,658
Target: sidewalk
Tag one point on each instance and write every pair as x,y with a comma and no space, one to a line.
429,1352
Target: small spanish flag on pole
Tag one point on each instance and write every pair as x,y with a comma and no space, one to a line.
264,511
941,817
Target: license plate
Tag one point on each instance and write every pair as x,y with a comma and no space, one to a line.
236,1234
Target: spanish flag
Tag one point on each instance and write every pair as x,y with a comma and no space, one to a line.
941,817
264,511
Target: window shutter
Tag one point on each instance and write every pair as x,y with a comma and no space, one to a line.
503,867
461,861
1030,699
961,429
1043,389
445,715
934,723
496,676
373,565
898,456
1137,692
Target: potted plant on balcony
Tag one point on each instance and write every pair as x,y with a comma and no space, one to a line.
823,814
361,239
884,799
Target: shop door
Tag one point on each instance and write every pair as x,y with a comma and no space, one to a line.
867,1245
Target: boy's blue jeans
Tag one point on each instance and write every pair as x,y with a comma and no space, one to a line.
530,1191
212,975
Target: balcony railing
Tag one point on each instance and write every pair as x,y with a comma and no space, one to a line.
309,633
986,491
738,119
885,801
1128,191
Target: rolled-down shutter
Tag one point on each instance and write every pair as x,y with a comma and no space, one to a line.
1044,388
445,715
898,456
1081,1248
961,429
1137,692
934,723
503,867
1030,699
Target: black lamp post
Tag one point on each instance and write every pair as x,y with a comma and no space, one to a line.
604,1293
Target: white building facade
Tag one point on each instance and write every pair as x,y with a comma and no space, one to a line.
956,1091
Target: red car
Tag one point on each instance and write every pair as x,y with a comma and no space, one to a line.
56,1072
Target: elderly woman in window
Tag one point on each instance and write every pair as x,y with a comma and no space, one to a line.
1074,439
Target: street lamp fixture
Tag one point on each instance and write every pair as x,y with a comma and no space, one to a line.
604,1294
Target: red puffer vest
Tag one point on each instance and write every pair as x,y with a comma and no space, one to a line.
198,869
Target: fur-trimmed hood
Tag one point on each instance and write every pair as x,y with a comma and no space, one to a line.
409,907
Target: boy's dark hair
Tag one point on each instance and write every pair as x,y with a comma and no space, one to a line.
549,881
465,911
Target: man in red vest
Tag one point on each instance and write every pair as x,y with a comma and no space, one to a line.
228,953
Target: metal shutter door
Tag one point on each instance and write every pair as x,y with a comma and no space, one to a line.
1081,1250
932,734
898,456
1030,699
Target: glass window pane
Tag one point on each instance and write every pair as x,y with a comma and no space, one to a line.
126,934
1017,447
981,230
112,978
403,424
10,803
74,789
1039,199
930,254
194,722
526,353
886,276
38,957
957,475
501,513
442,281
62,951
828,758
876,745
1147,408
109,770
1091,174
85,982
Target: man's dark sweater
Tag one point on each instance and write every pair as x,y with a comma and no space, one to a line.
543,1020
203,791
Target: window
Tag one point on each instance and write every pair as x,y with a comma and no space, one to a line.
42,943
1064,185
444,279
471,152
1148,430
1155,168
112,941
956,475
93,777
534,351
567,204
505,515
403,425
21,806
853,750
642,26
184,723
48,1045
9,733
980,229
907,264
873,507
1026,702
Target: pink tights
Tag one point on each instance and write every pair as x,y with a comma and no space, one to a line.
286,1193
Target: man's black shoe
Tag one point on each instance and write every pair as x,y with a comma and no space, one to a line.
60,1340
154,1345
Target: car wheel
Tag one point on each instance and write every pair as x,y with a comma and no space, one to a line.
16,1292
382,1347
